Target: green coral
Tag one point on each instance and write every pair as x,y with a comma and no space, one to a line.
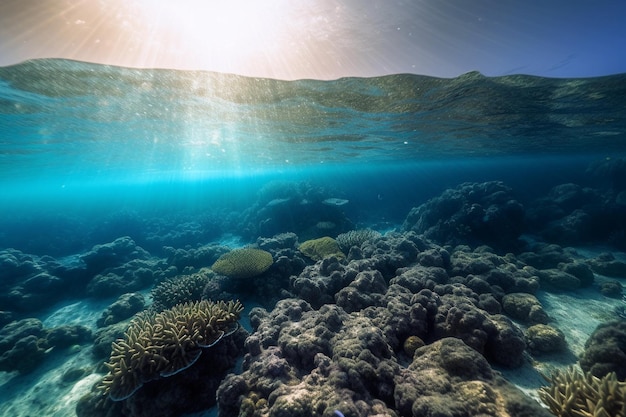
162,344
321,248
243,263
574,394
180,289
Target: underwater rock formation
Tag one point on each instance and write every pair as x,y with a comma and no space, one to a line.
461,296
120,267
541,338
573,214
25,344
303,361
298,208
123,308
22,345
30,283
605,350
199,257
606,264
524,307
109,255
472,214
128,277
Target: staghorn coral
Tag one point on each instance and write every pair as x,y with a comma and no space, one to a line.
318,249
355,238
180,289
574,394
243,263
162,344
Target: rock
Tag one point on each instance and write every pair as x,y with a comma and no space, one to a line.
542,338
124,307
605,350
611,289
524,307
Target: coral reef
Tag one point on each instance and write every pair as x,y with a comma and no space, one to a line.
302,361
162,344
573,214
542,338
299,208
30,283
180,289
606,264
198,257
123,308
524,307
323,247
243,263
22,345
189,391
611,289
605,350
25,344
131,276
288,261
355,238
116,253
574,394
120,267
471,214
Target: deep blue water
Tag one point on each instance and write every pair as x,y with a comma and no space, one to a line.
81,144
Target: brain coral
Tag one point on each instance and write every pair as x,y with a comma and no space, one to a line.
318,249
162,344
243,263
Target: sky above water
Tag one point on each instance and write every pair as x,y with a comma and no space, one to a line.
324,39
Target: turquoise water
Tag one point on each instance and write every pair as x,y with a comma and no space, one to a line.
85,140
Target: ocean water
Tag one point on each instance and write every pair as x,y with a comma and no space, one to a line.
81,142
91,153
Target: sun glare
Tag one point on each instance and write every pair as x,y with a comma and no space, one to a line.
225,35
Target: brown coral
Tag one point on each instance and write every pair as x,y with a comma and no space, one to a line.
180,289
162,344
574,394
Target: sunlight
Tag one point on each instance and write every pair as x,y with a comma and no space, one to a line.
222,35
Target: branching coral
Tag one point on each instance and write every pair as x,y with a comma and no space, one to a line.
355,238
243,263
180,289
574,394
162,344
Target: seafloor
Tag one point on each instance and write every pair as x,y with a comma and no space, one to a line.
458,311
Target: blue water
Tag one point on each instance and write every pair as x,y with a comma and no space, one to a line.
82,143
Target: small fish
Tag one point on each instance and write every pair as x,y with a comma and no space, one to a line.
338,413
335,201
